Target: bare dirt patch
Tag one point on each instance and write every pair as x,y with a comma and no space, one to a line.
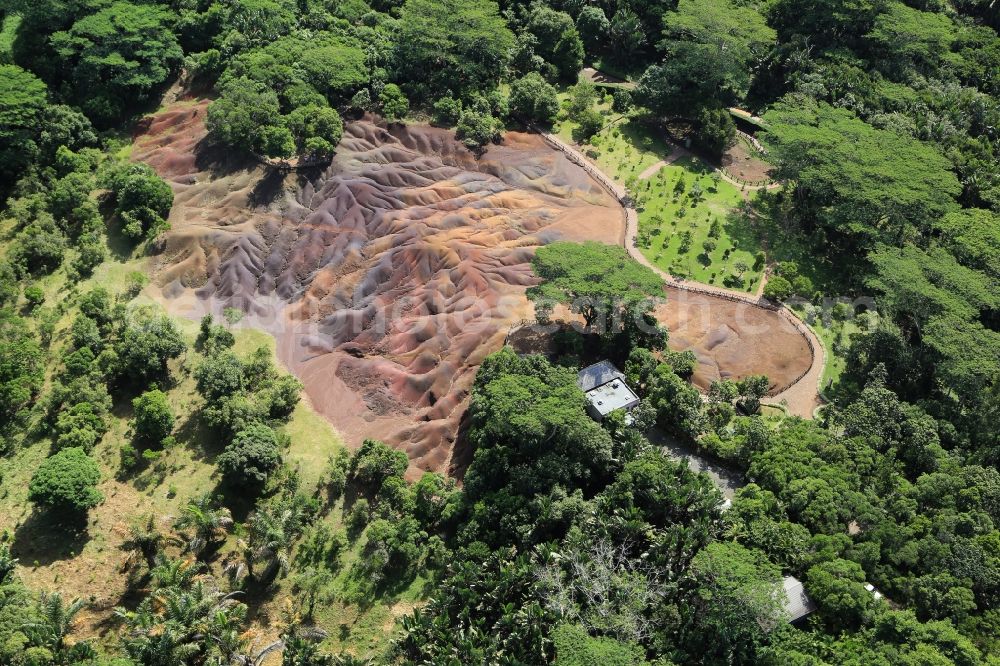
734,339
387,277
740,161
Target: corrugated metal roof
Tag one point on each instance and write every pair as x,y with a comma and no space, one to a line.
797,604
599,373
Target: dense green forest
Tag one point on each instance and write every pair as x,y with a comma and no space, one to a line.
568,541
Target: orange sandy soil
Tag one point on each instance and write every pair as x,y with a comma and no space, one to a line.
385,278
733,339
388,276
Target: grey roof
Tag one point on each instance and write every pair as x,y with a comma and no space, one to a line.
797,604
613,395
600,373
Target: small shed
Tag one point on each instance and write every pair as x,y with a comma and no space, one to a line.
797,604
606,389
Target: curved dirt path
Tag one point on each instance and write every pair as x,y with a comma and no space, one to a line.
801,398
651,170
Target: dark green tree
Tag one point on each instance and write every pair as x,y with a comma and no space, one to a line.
595,280
154,419
251,457
533,99
23,99
66,481
118,56
452,45
558,42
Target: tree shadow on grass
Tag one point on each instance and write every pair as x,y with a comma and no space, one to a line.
202,440
743,232
47,536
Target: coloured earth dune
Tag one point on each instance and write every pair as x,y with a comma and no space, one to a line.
388,276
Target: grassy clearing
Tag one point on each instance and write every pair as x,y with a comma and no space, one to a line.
835,335
689,226
626,149
357,623
836,338
87,563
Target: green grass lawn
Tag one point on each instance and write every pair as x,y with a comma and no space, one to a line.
624,149
836,338
675,224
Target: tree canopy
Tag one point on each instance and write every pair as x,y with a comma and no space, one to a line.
595,280
446,45
67,481
118,56
856,181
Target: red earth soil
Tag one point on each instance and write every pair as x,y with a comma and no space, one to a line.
388,276
385,278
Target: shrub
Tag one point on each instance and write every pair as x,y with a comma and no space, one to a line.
153,417
802,286
359,516
39,247
79,426
395,106
251,457
533,99
316,129
777,288
146,343
589,123
221,375
375,461
338,467
621,100
67,481
128,456
447,111
476,129
34,295
143,198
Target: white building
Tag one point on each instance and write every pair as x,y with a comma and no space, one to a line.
606,390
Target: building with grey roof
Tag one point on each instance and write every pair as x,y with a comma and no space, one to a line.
797,603
606,389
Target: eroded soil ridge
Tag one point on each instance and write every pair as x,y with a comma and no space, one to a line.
387,277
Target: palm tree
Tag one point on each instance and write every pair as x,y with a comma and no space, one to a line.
166,646
203,524
270,532
179,622
143,539
54,620
178,573
245,653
